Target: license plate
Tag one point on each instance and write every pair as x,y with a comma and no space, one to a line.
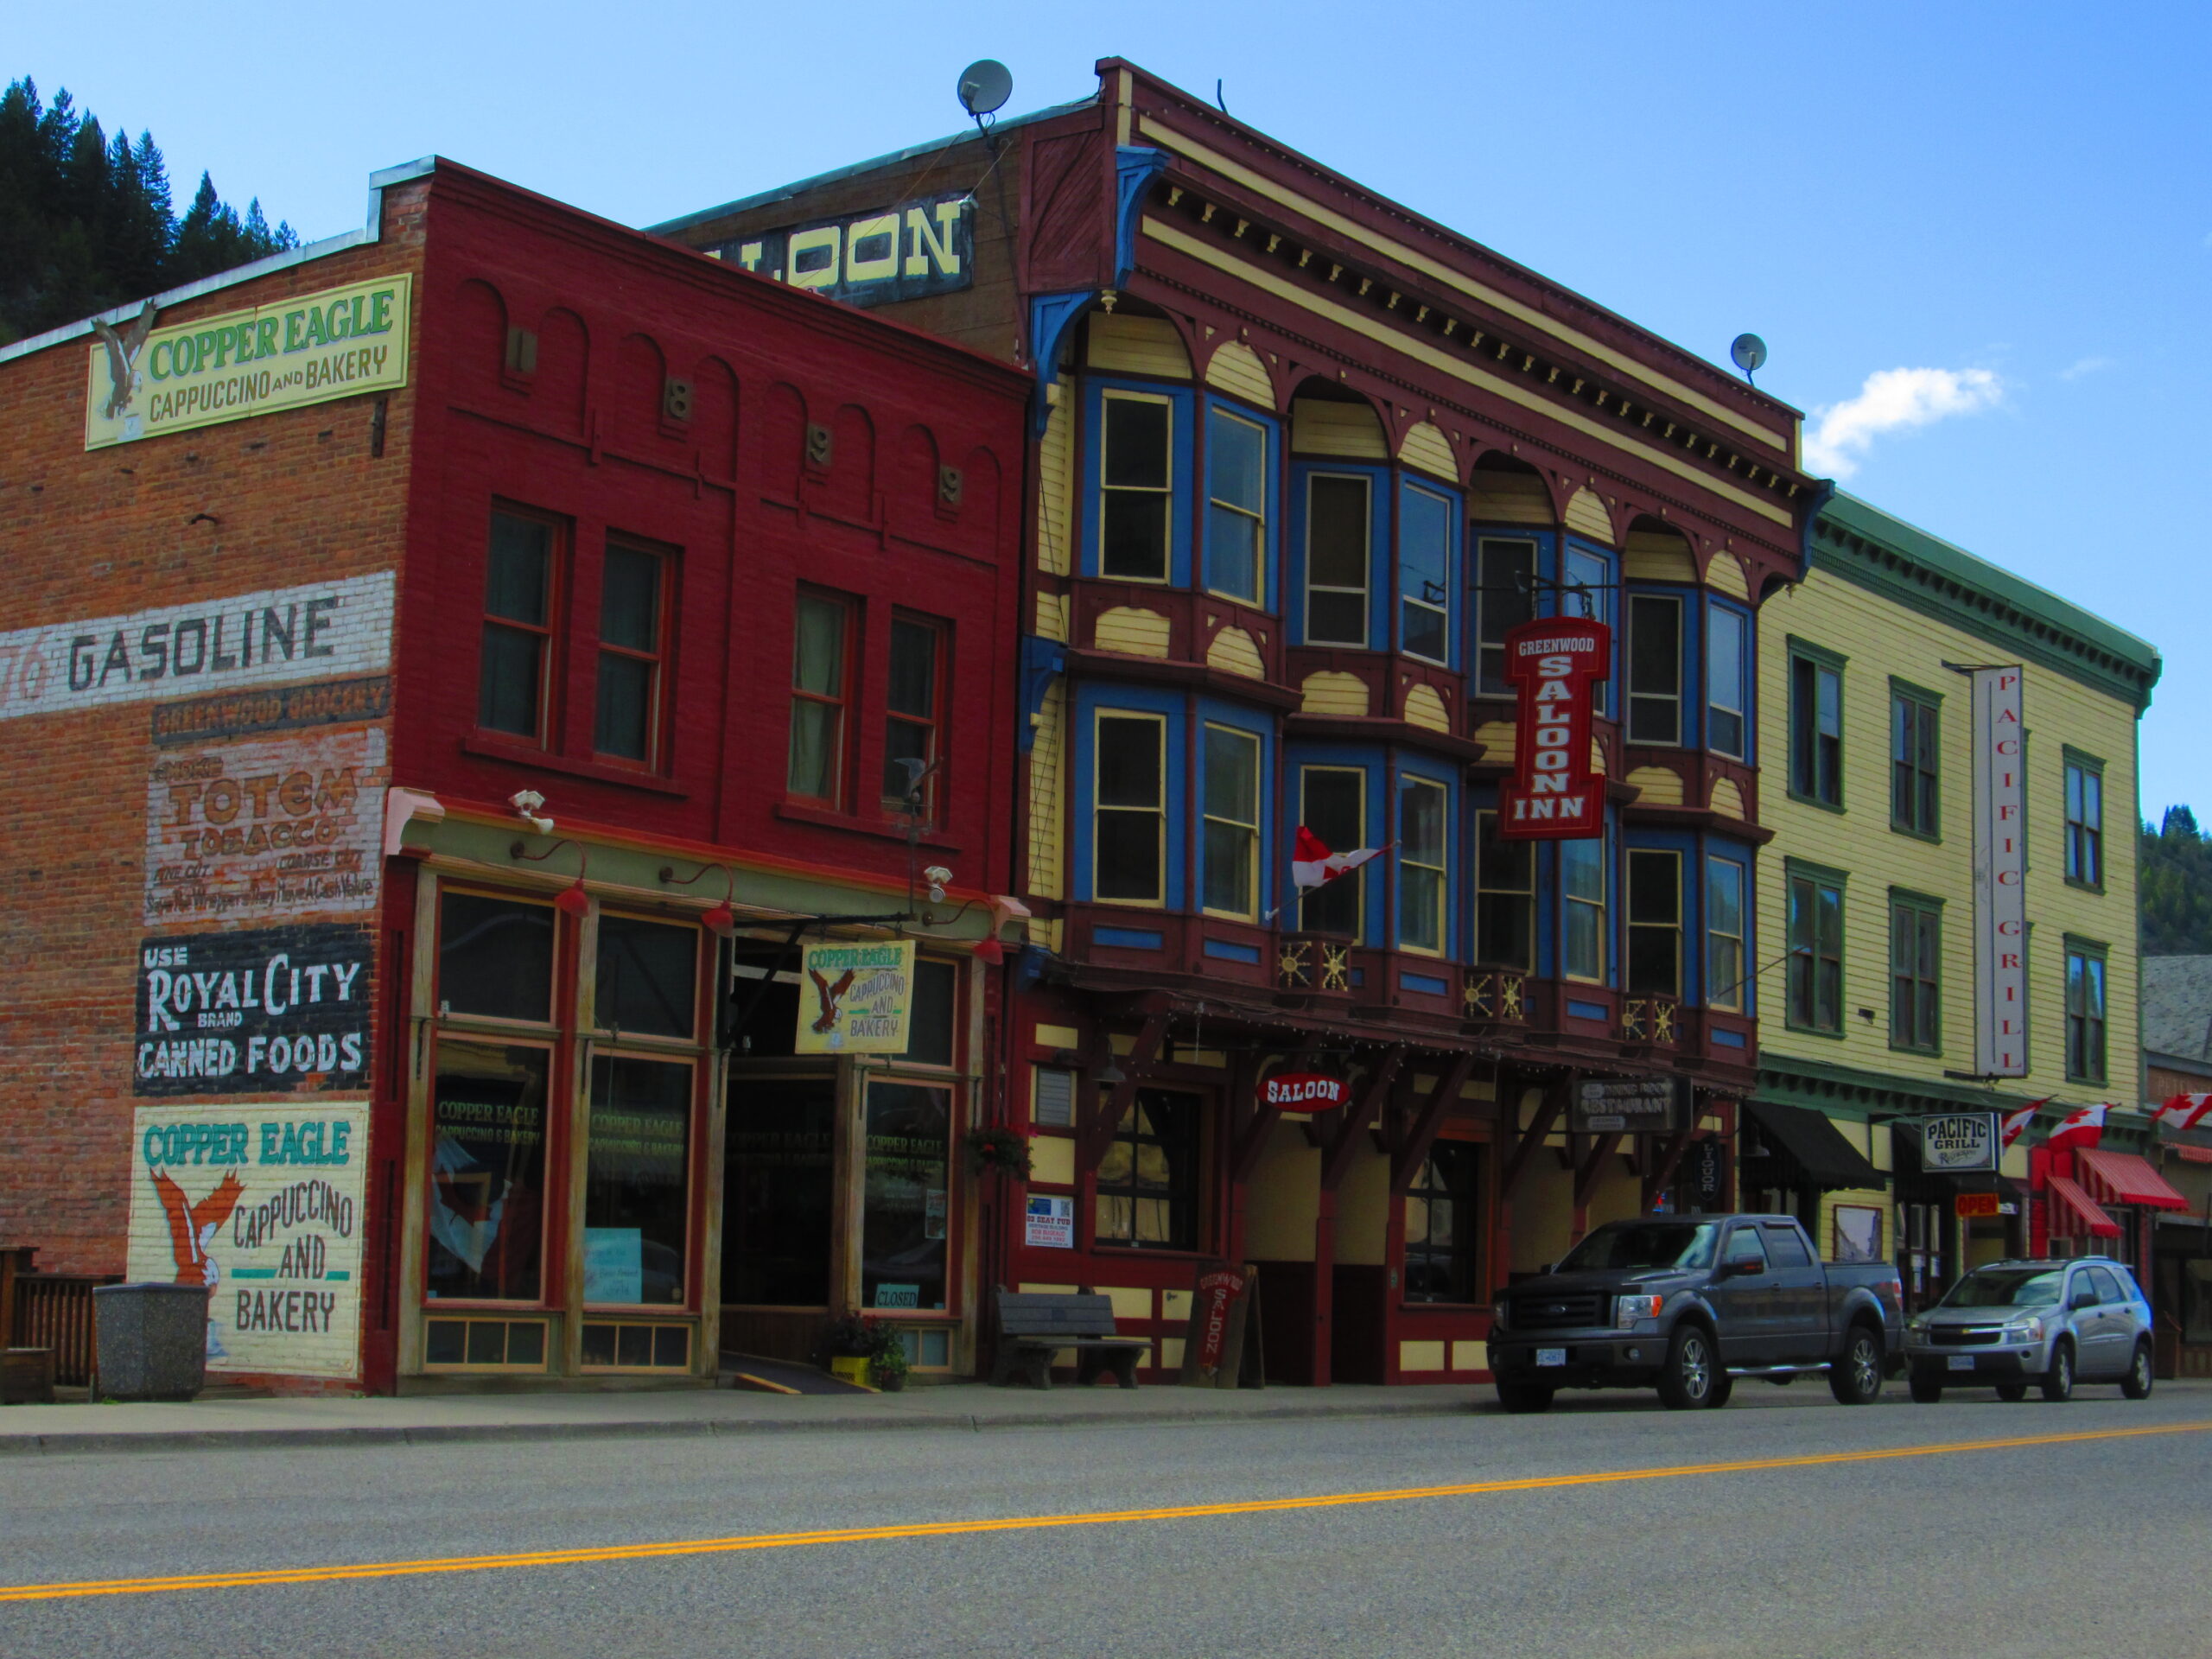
1963,1362
1551,1356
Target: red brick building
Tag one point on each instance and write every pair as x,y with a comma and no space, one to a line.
457,670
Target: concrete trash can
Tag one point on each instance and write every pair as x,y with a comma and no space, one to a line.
150,1341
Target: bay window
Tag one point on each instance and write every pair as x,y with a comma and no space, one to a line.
1332,804
1425,536
1423,810
1505,592
1339,524
1589,579
1129,809
1582,888
1236,506
1727,685
1230,794
1725,938
1655,922
1505,898
1655,669
1136,486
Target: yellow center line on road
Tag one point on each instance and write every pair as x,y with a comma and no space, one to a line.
590,1554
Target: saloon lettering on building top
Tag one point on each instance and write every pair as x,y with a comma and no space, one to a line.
1554,794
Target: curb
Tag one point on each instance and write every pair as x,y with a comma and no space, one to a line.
235,1439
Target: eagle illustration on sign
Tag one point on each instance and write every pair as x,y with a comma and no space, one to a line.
193,1226
829,994
123,359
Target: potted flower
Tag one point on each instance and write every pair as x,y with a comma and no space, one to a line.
998,1150
848,1346
887,1366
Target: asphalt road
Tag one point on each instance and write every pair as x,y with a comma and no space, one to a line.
2081,1547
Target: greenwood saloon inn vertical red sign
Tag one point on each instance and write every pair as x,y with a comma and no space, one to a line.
1557,794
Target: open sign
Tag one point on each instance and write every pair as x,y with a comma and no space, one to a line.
1303,1091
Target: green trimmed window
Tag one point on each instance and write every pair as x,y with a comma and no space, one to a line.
2085,821
2085,1011
1815,725
1915,761
1915,973
1815,926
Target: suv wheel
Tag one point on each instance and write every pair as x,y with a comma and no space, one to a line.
1687,1380
2058,1380
1520,1398
2137,1384
1855,1379
1926,1390
2011,1393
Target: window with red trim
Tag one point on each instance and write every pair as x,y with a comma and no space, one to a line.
632,652
913,715
520,602
822,660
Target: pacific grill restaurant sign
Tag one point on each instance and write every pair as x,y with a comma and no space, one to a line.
1959,1140
2000,909
1556,795
266,1011
1303,1091
873,258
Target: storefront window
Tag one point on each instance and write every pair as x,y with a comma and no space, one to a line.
907,1210
1439,1226
1148,1181
637,1196
488,1172
495,956
778,1192
647,976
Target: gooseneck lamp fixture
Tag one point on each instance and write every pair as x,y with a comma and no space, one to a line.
573,900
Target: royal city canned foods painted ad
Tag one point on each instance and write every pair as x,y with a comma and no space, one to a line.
260,830
143,380
253,1012
263,1205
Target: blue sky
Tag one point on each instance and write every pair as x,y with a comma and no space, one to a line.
2010,204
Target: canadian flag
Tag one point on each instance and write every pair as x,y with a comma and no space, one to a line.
1312,865
2083,1127
2015,1124
2183,1111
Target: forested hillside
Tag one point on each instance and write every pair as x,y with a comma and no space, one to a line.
2176,887
87,222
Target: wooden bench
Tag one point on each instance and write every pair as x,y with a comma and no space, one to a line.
1035,1326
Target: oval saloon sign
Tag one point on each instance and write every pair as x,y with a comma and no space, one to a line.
1302,1091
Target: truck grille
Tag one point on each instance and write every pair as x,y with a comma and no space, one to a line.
1554,1313
1959,1336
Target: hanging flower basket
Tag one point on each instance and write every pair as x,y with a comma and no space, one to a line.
998,1150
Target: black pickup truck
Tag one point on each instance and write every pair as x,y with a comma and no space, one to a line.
1688,1303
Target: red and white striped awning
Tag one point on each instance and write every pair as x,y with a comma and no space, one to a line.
2124,1177
2074,1214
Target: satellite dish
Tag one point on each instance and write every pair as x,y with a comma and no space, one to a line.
985,85
1749,351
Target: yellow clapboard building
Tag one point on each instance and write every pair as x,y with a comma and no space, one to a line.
1867,997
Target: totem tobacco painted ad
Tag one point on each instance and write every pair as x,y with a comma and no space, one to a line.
258,1012
263,1205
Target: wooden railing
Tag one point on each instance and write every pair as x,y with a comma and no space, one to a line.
55,1310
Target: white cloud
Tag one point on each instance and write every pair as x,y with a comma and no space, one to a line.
2085,365
1893,400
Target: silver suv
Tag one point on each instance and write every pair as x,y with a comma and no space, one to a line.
2050,1323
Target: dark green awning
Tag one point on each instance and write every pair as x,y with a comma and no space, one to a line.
1808,1140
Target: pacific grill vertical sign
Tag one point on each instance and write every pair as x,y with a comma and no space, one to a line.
2000,909
1555,794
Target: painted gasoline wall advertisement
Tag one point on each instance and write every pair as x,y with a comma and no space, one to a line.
264,1206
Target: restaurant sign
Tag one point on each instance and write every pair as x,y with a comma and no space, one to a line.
1555,793
1955,1141
1629,1106
857,997
140,382
2000,862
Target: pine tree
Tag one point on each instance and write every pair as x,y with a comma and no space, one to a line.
2174,887
87,223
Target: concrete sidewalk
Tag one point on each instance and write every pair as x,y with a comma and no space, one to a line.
421,1419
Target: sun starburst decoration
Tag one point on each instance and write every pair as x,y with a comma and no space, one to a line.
1291,964
1336,967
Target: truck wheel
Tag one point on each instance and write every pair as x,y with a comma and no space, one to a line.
1522,1398
1723,1386
1926,1391
2137,1385
2011,1393
1686,1381
2058,1380
1855,1379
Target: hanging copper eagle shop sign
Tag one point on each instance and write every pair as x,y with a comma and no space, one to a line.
1557,794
